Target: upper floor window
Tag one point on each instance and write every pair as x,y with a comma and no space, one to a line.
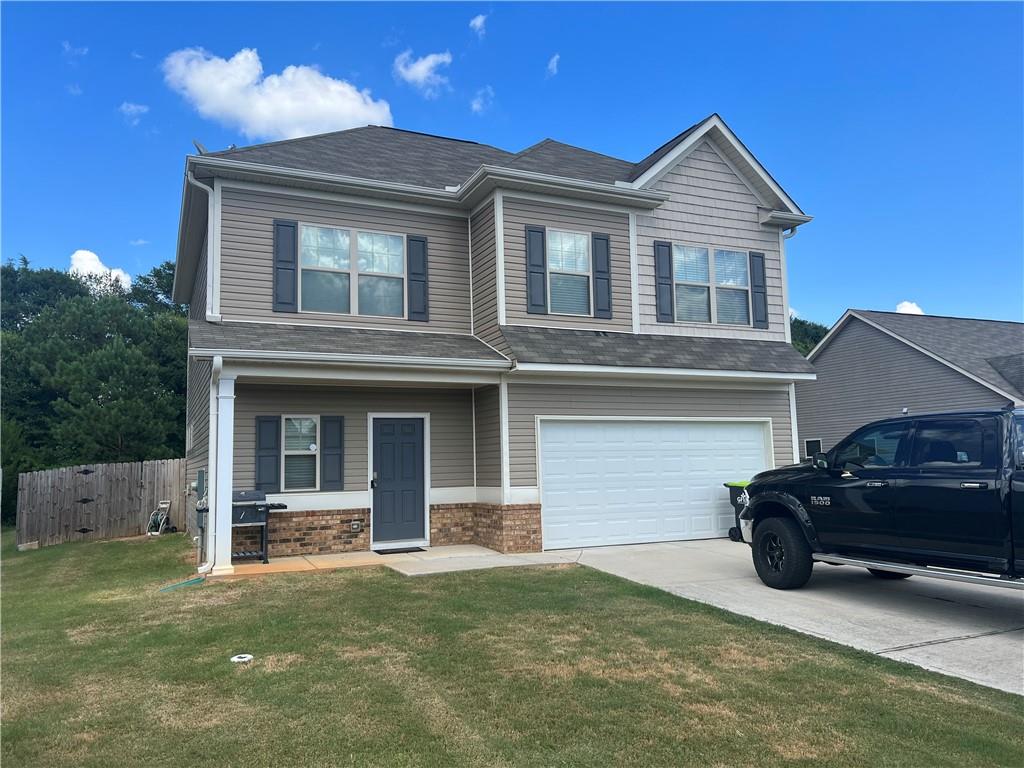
360,275
711,283
569,274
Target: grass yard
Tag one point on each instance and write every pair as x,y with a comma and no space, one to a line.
537,667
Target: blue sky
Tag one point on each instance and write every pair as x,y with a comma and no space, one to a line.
898,127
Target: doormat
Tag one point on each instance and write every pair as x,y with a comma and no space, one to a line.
398,551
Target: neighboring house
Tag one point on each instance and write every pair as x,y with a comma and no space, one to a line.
872,365
415,340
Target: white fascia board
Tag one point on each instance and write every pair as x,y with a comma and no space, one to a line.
683,148
669,373
381,376
352,359
782,218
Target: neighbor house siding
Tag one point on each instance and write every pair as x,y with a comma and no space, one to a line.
865,374
708,205
485,280
197,304
451,426
527,401
247,253
519,213
488,438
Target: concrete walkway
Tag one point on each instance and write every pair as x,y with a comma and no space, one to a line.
968,631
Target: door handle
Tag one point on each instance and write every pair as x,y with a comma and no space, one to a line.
373,484
877,483
974,486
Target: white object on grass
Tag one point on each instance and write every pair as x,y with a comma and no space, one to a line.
242,658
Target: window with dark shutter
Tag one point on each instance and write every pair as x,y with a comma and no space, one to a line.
416,259
536,271
758,290
332,453
286,266
268,454
663,281
600,247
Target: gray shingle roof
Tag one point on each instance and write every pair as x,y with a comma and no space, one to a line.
554,157
992,350
321,340
572,347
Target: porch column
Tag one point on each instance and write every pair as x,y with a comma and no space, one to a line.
225,469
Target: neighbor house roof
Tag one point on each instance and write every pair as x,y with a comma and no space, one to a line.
989,351
557,346
284,342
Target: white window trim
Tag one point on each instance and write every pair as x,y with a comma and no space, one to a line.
712,286
285,452
353,270
589,274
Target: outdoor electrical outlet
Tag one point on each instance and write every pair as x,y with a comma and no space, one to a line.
356,526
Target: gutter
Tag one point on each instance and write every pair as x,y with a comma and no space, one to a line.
352,359
665,373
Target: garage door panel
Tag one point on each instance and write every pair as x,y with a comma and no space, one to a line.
620,482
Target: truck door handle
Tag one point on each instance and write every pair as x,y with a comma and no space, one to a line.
974,486
877,483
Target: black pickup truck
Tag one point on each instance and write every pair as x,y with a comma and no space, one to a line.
937,495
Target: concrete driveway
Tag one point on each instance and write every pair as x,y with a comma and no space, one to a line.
972,632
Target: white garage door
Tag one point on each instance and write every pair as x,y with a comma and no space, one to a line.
632,482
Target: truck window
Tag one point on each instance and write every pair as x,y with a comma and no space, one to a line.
1019,428
874,447
955,443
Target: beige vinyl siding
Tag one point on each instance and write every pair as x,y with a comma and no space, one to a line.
197,304
247,257
488,437
518,213
485,281
864,375
709,205
527,401
451,425
197,419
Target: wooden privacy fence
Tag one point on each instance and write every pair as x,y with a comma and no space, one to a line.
97,501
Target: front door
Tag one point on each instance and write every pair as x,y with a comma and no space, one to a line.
398,480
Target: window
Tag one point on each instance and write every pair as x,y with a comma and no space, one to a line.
874,447
1019,426
301,453
342,274
698,298
569,272
962,443
812,447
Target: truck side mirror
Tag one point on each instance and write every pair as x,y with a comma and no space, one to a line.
819,461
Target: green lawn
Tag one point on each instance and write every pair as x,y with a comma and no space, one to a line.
535,666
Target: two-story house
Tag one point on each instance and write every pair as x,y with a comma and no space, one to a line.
413,340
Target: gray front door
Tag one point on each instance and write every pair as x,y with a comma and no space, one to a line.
398,480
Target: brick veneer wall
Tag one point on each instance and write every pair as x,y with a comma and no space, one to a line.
505,528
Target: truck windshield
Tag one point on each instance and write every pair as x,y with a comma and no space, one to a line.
1019,422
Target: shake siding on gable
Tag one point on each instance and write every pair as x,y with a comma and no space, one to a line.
709,205
451,425
864,375
519,213
527,401
247,254
485,281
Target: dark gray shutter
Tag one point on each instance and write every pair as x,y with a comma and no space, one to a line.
332,453
286,266
268,454
600,247
417,278
758,290
663,282
536,272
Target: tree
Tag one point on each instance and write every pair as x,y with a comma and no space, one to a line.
806,334
153,290
27,292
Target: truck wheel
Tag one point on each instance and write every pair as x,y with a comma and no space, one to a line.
782,557
888,574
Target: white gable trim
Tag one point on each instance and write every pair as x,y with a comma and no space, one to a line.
678,152
853,314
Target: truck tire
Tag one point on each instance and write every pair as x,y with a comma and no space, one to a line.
888,574
782,557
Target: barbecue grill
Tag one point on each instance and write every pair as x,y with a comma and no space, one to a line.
250,509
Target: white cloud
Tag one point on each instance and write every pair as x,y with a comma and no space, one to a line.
483,100
132,112
479,24
138,241
137,56
553,64
793,313
71,51
909,308
422,72
88,264
298,102
74,89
